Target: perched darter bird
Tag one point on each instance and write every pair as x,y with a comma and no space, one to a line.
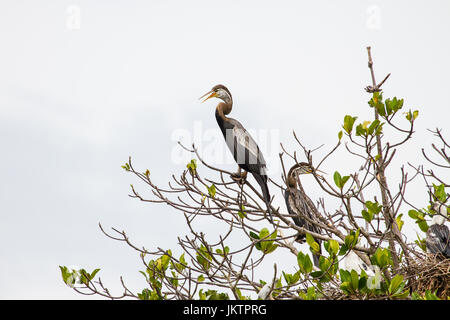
438,235
243,147
300,205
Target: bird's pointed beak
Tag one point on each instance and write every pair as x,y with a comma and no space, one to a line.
319,174
211,93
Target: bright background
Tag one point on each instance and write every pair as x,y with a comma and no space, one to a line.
85,84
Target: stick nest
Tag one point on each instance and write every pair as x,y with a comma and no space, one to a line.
429,272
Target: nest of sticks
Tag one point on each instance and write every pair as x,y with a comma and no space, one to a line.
426,272
429,272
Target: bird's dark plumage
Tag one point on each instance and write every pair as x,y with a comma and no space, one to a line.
300,206
438,240
243,147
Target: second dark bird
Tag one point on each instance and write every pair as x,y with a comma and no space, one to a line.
299,205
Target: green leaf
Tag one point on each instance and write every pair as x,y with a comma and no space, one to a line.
340,181
372,127
212,191
304,262
337,179
381,258
254,235
84,276
360,131
295,277
203,257
345,275
291,279
267,246
344,180
173,280
399,221
212,295
365,124
395,284
351,239
439,192
393,105
92,275
145,294
402,295
264,233
362,281
422,225
377,103
354,279
343,250
373,207
241,213
348,123
379,129
413,214
192,166
324,264
346,288
200,278
421,243
332,247
271,248
389,104
182,265
411,116
381,110
287,277
312,243
366,215
66,275
431,295
340,135
416,296
408,115
311,293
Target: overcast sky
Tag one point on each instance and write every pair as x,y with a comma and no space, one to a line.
85,84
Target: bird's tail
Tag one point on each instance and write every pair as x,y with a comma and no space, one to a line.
262,181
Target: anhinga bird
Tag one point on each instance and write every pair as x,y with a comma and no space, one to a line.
438,236
243,147
300,205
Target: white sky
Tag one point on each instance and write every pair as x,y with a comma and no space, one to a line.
76,102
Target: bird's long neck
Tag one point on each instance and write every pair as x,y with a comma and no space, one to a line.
291,177
294,182
291,181
221,111
224,108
